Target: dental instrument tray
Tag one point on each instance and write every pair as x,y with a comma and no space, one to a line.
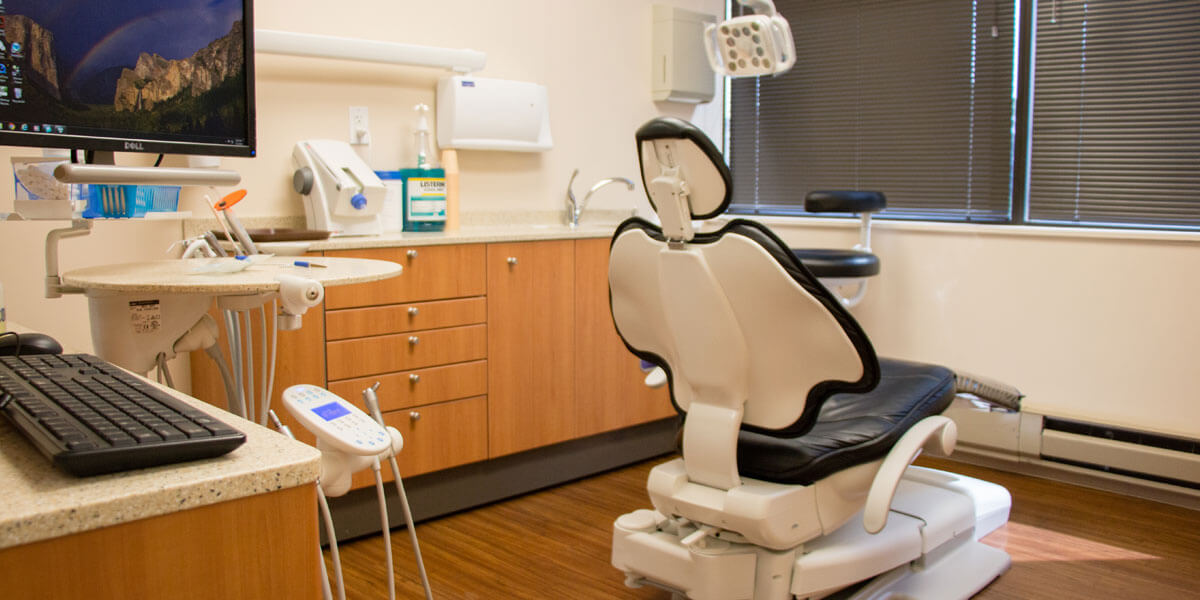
272,234
90,417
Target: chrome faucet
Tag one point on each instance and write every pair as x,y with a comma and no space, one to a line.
575,208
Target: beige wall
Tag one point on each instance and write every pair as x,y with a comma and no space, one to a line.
593,56
1101,328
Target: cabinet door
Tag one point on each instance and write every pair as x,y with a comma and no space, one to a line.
430,273
436,437
404,351
609,389
531,345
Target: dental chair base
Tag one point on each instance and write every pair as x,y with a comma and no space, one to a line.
928,549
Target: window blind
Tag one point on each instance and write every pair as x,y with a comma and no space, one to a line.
1116,113
913,98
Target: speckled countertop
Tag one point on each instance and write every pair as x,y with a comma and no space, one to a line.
202,275
40,502
483,227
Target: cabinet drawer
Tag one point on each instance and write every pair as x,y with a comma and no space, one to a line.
438,437
404,351
420,386
430,273
376,320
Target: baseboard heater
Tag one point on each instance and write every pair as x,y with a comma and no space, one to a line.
1150,456
1012,437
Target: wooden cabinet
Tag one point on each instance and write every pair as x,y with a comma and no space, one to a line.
480,350
423,337
609,389
531,345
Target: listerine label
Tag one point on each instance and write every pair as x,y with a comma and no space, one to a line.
426,199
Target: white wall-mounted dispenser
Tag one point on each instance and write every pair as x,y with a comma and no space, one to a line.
474,113
679,65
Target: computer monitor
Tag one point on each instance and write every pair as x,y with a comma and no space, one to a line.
158,76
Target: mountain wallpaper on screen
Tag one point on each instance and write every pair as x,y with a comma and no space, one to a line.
155,67
155,79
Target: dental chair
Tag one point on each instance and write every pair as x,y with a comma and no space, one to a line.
839,268
795,476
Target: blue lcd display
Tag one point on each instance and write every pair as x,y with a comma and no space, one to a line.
331,411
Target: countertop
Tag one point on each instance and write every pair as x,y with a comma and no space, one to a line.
191,275
40,502
476,228
467,235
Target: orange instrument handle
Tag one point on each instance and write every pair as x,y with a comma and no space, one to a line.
230,200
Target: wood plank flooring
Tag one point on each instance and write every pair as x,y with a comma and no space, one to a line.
1066,542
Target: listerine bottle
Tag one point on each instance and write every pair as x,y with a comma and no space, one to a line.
424,185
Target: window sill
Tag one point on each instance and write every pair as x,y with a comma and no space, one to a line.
982,229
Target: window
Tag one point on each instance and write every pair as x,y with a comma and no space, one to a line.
1116,114
909,97
934,103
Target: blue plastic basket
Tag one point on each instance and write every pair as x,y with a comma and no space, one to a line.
118,201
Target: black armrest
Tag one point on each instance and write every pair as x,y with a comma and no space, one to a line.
845,201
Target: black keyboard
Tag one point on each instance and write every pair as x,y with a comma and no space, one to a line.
90,417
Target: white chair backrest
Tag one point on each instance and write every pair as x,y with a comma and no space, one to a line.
732,325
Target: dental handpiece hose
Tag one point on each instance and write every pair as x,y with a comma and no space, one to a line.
372,402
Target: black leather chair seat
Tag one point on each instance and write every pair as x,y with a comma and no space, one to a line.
851,429
829,263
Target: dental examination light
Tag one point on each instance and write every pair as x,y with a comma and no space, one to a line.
751,45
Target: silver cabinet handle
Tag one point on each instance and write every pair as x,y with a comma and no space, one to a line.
414,415
412,311
413,377
411,254
512,260
412,340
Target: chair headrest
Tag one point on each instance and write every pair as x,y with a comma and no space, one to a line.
683,174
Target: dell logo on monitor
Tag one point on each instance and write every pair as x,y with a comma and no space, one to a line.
134,146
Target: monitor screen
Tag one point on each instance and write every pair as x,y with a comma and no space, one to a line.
161,76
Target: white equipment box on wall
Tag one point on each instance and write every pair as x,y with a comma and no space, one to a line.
679,65
474,113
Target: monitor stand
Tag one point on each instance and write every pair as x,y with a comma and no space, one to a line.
103,170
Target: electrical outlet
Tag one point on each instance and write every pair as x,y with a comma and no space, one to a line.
360,133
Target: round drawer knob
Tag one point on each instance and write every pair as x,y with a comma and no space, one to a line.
413,377
412,311
412,340
411,254
414,415
512,260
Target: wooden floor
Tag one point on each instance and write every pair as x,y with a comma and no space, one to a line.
1066,542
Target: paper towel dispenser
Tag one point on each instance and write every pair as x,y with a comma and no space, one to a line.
475,113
